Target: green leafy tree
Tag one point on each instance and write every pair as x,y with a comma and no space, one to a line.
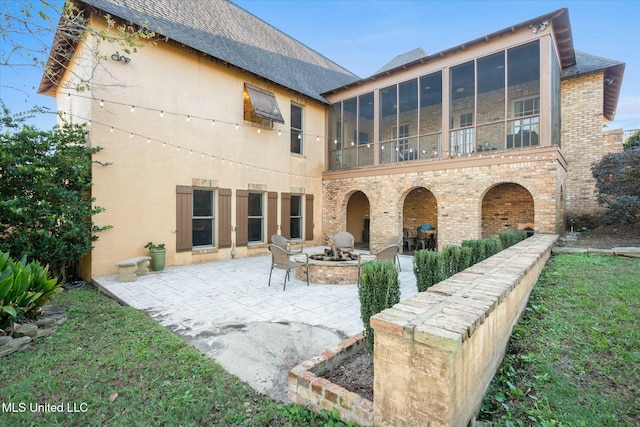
632,140
45,193
618,184
27,29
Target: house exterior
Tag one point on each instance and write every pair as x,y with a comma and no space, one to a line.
225,131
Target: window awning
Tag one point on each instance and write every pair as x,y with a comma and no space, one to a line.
264,104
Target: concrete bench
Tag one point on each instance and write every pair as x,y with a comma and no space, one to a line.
130,269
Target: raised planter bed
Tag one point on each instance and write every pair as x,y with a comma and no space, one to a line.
307,387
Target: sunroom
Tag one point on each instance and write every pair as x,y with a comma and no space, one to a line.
491,95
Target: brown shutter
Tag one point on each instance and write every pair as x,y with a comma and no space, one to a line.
224,218
242,217
272,214
285,223
184,211
308,217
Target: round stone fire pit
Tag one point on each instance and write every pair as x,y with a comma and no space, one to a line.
326,269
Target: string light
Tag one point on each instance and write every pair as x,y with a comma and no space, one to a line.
188,118
133,108
161,113
102,102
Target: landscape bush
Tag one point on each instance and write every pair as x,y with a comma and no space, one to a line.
455,259
24,289
378,289
428,267
482,249
510,238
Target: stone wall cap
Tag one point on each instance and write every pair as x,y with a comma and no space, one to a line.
437,337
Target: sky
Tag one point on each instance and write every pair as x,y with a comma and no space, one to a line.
363,35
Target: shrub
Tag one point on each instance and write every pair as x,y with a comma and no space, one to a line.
455,259
510,238
46,207
24,289
481,249
378,289
428,267
618,184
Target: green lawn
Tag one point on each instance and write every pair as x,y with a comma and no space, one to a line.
574,358
123,369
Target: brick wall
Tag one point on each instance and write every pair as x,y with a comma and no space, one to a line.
504,207
456,194
583,141
436,353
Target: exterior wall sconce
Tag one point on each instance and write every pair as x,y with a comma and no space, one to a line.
539,26
609,81
117,57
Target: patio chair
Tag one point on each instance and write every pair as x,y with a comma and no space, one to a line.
395,241
344,240
282,259
285,243
388,253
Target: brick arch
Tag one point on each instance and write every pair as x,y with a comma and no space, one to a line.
505,206
420,206
357,211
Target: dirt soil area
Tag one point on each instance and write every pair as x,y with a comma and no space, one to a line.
603,237
356,373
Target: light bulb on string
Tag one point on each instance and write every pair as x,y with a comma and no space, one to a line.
236,126
161,113
102,102
188,118
213,122
111,130
133,108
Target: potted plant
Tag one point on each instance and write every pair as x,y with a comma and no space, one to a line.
157,255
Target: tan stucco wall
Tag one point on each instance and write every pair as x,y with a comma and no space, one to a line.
138,188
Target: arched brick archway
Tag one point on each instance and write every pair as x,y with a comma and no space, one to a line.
504,207
420,207
358,214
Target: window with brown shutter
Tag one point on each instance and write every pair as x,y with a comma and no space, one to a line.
224,215
242,212
272,213
184,203
285,213
308,217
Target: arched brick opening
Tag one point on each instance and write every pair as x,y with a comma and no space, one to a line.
505,207
358,214
420,207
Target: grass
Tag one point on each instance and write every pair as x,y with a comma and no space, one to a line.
574,357
573,360
115,366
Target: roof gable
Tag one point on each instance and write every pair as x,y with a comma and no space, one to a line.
225,31
403,59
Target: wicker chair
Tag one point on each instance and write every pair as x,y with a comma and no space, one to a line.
344,240
282,259
395,241
388,253
285,243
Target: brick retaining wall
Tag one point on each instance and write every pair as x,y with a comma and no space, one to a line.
436,353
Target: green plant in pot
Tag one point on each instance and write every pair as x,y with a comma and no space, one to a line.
157,255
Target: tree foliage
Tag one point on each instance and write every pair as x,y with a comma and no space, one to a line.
632,140
618,184
45,193
27,29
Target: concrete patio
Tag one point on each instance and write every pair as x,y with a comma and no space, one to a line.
226,310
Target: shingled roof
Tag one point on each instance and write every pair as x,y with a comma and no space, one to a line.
227,32
613,72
